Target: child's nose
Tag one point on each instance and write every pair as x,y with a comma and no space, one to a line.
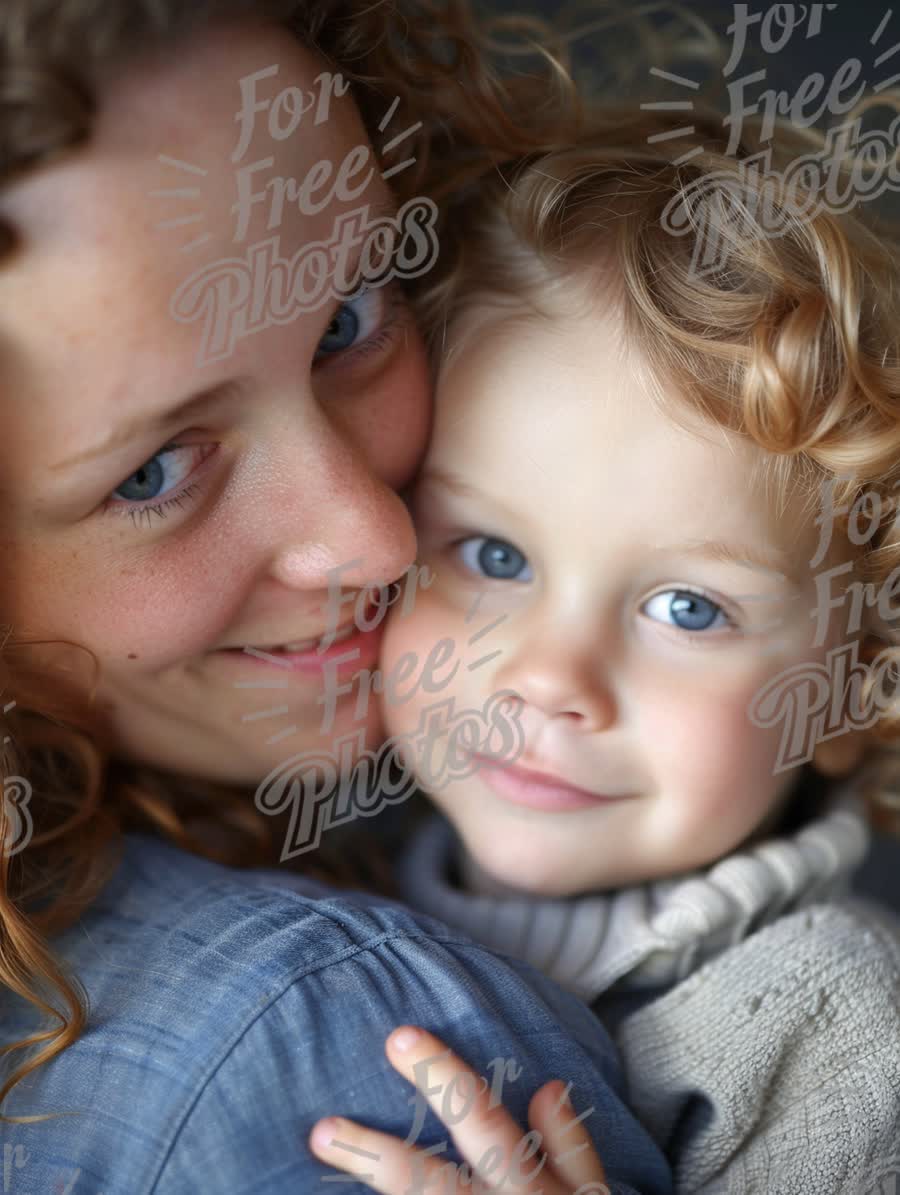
560,681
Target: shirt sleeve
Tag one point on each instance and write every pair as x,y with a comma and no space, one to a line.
316,1047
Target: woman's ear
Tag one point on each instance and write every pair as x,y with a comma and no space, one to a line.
838,756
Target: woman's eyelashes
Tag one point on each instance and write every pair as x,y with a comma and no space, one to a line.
686,610
159,484
363,324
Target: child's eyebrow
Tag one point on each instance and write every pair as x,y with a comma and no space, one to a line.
774,561
456,485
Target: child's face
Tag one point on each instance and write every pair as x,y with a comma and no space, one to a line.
558,506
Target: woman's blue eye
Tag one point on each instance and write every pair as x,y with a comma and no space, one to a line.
162,473
689,611
495,558
356,319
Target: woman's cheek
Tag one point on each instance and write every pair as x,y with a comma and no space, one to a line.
112,611
180,606
173,606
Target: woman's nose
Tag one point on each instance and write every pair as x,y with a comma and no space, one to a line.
560,679
338,521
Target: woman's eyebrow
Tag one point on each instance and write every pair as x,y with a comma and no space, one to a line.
130,429
140,425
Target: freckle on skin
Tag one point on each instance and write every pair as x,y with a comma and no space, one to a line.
132,656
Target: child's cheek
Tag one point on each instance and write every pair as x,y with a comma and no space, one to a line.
714,767
417,674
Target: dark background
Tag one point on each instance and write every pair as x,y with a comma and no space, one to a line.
846,31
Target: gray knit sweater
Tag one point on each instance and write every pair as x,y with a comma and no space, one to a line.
756,1006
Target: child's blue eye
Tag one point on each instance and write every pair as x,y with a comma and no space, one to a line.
494,558
689,611
356,319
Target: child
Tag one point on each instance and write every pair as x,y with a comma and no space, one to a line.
664,461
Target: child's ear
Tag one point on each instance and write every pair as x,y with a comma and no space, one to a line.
838,756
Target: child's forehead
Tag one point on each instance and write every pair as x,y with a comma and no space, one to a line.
543,295
557,410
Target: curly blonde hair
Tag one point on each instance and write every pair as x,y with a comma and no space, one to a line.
791,340
54,56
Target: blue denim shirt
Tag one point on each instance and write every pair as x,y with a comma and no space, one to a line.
232,1009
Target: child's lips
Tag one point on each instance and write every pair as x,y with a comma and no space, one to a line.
539,789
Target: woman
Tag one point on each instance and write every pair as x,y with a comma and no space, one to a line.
190,450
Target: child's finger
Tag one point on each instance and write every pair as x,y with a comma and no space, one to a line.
571,1152
486,1136
383,1162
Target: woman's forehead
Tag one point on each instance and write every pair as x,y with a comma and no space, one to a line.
107,237
232,115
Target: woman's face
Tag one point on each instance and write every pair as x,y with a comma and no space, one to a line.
169,502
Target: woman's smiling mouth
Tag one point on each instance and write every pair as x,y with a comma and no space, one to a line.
300,646
310,655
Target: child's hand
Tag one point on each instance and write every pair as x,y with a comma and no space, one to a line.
556,1158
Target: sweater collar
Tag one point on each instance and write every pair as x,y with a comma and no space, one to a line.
652,934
